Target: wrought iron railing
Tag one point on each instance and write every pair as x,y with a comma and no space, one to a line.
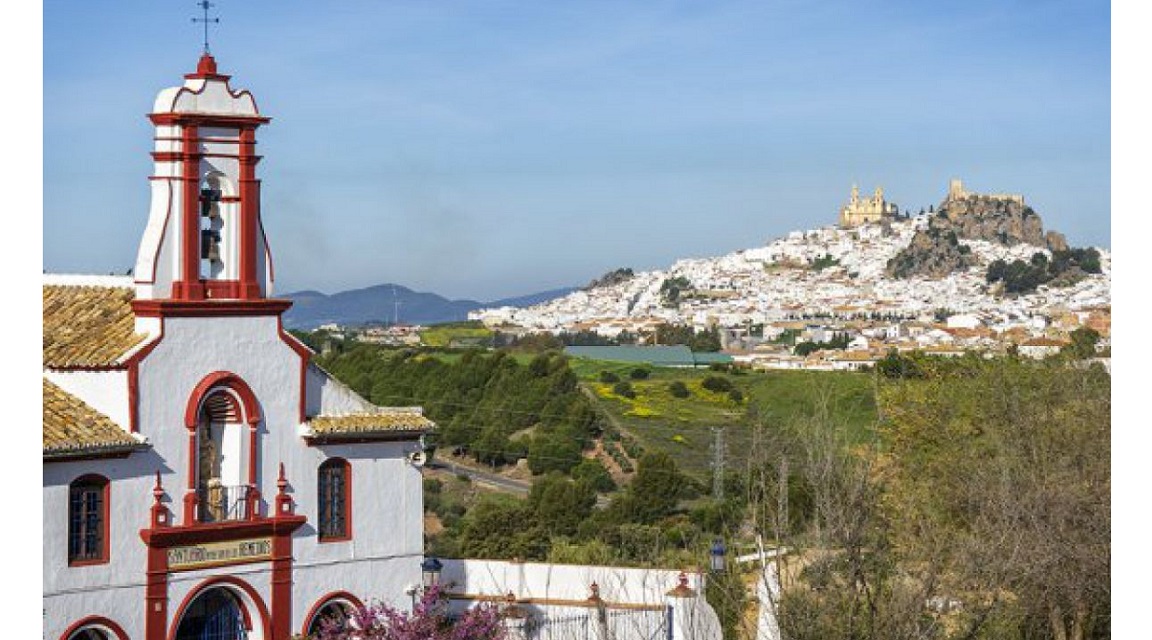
598,625
220,503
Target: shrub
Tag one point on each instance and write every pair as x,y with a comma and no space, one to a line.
623,388
639,373
736,396
678,389
607,377
717,383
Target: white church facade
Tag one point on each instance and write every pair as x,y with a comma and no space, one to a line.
202,477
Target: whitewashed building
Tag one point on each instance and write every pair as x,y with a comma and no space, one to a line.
202,478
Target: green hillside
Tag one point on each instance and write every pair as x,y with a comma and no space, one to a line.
660,421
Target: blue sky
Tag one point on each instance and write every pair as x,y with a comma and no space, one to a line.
486,149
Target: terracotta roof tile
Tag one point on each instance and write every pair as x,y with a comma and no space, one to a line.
87,326
72,427
392,420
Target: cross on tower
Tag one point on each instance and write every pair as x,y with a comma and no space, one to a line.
205,5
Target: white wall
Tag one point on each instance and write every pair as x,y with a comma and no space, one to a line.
693,618
104,391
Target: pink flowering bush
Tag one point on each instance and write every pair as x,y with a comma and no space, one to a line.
429,621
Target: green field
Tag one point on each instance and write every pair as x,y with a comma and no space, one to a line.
682,426
456,334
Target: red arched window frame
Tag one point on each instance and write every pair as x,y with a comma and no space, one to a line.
342,598
89,525
334,501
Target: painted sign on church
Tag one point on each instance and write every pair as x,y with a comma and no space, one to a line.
212,554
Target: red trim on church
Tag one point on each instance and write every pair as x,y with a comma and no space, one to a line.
209,120
279,527
209,308
133,364
217,581
91,621
222,379
324,600
305,356
188,285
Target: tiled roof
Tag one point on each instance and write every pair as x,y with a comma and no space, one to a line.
87,326
388,421
71,427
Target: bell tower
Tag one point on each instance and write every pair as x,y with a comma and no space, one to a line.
204,240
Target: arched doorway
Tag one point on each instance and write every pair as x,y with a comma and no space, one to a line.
215,614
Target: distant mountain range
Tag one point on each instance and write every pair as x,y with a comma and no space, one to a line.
386,302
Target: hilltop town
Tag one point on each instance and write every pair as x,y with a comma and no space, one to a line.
837,281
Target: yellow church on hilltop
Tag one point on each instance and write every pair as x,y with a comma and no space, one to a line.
860,211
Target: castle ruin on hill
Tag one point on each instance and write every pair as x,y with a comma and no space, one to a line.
956,191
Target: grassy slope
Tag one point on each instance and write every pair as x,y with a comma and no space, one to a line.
682,427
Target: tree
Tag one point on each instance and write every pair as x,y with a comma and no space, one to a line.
553,451
502,527
591,472
655,491
559,504
998,472
1083,343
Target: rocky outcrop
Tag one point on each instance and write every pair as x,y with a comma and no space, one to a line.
933,253
1004,220
1056,241
623,274
936,251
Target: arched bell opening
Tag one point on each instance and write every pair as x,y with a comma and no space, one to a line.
217,228
221,448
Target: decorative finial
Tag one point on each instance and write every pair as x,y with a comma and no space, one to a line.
595,589
682,590
158,490
205,5
282,480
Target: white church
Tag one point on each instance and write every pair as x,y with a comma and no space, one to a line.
204,480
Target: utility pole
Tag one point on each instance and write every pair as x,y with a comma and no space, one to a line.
719,452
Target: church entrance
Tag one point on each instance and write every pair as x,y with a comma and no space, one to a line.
213,615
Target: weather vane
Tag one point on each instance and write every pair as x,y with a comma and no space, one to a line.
205,5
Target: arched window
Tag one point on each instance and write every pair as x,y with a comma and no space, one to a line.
88,520
333,612
94,628
220,443
334,500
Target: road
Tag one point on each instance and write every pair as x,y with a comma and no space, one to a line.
495,480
